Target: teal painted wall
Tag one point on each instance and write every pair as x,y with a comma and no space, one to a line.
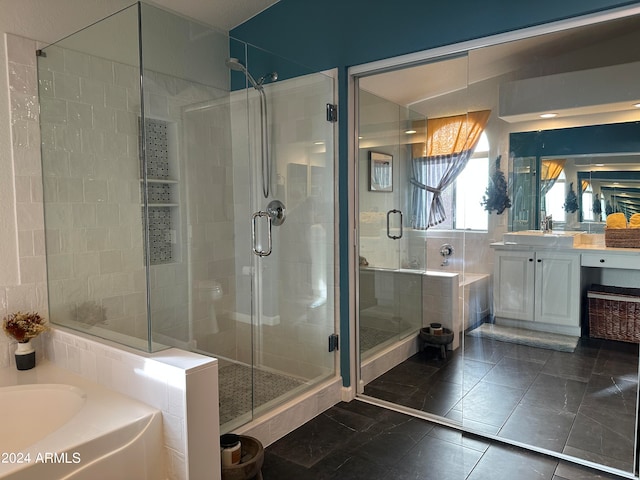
325,34
331,33
592,139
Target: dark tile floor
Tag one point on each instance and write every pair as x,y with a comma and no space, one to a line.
358,441
581,403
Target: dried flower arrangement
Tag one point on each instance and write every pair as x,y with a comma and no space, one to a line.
24,326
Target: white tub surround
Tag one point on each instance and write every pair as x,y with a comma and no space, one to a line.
183,385
455,300
476,298
76,429
417,298
441,302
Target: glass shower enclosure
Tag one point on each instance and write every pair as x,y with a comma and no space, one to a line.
391,263
189,201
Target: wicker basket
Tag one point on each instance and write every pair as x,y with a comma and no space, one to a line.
622,237
614,313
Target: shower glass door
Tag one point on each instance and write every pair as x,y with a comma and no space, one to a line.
292,221
390,279
256,295
405,283
277,306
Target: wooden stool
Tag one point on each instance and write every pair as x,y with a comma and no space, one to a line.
441,340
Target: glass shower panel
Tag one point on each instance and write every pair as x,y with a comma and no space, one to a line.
217,212
187,170
89,92
189,203
534,366
391,260
422,372
549,379
291,151
265,317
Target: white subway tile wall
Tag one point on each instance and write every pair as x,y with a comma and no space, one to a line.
159,380
86,245
30,294
93,193
91,187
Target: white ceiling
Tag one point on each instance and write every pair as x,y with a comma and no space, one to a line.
223,14
415,86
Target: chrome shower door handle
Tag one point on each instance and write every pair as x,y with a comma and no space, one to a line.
254,220
393,237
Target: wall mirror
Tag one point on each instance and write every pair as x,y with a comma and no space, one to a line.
611,191
575,401
601,161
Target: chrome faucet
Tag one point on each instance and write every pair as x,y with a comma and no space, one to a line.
446,250
546,225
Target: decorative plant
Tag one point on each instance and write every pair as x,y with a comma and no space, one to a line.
597,206
24,326
571,202
495,197
608,208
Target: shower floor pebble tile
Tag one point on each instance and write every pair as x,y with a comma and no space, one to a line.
237,395
360,441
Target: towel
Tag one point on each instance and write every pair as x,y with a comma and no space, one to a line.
634,221
616,220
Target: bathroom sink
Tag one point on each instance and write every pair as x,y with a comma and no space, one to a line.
538,238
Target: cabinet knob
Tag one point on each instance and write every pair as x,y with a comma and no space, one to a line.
539,260
602,260
531,259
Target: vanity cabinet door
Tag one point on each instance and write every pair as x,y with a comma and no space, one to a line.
514,283
557,287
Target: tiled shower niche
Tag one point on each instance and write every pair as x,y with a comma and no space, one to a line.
161,191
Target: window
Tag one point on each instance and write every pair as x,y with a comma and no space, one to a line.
554,199
462,198
587,204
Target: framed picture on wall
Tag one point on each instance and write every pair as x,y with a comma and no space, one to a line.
380,172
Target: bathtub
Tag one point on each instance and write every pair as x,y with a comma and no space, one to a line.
57,425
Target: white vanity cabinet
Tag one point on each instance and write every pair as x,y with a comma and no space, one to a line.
540,286
513,279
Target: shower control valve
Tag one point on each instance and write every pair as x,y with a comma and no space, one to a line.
276,211
446,250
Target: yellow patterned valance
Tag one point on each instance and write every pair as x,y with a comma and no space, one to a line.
451,135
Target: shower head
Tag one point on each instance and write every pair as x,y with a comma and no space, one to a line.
235,64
